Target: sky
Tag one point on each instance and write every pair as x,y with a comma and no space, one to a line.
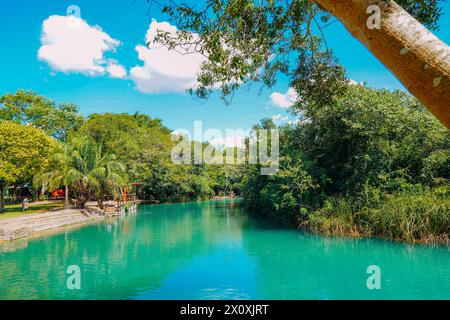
101,63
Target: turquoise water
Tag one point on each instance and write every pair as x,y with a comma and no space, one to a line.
212,250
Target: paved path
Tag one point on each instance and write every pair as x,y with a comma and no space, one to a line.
24,226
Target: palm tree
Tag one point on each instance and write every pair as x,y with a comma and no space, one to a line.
83,167
53,179
110,175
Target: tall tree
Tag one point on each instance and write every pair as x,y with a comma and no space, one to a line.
144,146
247,40
137,140
24,151
86,170
409,50
27,107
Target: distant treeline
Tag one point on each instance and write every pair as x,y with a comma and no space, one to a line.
50,145
367,163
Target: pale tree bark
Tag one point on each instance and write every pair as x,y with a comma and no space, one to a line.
410,51
66,197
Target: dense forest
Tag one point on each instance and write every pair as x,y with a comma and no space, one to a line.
97,155
372,162
360,161
368,163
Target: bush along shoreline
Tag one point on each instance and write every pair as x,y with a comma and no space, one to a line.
419,216
370,163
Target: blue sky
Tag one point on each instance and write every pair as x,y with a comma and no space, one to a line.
127,22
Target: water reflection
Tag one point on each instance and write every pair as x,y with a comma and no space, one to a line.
212,250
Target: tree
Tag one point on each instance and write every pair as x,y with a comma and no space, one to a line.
27,107
138,141
247,40
372,137
411,52
371,162
55,175
111,177
85,170
24,151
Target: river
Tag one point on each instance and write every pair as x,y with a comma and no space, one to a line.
214,250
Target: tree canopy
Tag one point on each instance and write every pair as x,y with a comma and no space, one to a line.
366,163
24,151
83,165
247,40
144,146
27,107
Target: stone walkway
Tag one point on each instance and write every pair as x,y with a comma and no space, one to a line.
25,226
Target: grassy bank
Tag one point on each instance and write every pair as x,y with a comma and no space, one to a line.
418,216
14,211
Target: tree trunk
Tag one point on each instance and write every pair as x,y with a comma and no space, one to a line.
66,198
410,51
42,192
81,202
100,201
2,199
14,196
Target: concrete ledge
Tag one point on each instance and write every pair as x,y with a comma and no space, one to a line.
29,225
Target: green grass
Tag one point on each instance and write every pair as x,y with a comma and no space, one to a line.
422,216
13,211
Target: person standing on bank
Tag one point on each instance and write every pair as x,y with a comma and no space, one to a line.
25,205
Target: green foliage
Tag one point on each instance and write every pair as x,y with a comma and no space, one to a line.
362,164
137,140
144,146
421,216
247,40
428,12
373,137
24,151
27,107
285,193
171,182
99,155
227,179
86,169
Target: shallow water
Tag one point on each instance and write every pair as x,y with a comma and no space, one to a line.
213,250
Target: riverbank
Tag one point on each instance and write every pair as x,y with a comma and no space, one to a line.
33,224
28,225
15,210
214,250
414,216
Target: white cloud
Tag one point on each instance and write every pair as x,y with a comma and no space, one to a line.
355,83
279,118
165,70
294,122
69,44
284,100
276,117
116,70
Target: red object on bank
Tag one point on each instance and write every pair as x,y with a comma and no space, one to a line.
59,193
